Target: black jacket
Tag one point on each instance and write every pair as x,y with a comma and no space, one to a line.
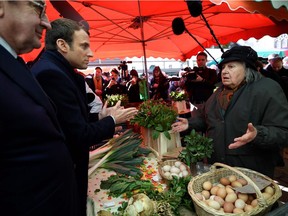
264,104
36,170
67,90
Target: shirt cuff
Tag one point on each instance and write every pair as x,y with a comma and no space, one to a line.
113,119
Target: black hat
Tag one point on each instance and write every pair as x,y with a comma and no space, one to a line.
240,53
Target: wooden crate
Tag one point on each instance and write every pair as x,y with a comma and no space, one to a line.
162,144
180,106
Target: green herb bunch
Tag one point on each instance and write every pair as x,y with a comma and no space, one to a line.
155,115
198,147
178,95
113,99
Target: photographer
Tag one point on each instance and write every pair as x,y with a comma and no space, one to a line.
200,81
115,85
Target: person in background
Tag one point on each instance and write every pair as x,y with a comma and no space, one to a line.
133,87
159,85
247,116
201,86
96,82
276,66
68,48
36,170
115,85
270,74
106,76
285,62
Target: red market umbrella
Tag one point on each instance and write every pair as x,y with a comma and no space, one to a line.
143,27
276,9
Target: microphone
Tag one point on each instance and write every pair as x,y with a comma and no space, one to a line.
194,7
178,26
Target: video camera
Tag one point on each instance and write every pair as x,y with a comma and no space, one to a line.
123,65
191,74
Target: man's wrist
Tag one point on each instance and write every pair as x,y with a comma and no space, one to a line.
113,119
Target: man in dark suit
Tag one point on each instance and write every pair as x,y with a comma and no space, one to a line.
36,170
68,48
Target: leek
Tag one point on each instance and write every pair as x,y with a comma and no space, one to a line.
122,156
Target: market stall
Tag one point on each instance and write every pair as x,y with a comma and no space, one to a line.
170,177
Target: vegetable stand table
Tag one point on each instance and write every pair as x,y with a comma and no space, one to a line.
99,199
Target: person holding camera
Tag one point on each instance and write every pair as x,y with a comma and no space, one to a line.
200,81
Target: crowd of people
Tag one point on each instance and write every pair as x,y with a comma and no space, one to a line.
46,126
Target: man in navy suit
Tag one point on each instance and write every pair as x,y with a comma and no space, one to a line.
36,169
68,48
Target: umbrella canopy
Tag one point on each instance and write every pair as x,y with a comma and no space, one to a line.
143,27
270,8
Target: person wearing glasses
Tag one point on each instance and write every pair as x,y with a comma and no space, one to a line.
36,170
247,116
68,48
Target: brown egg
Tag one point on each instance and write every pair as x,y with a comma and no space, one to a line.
228,207
224,181
199,196
232,178
219,200
269,190
231,197
207,185
266,195
221,192
243,197
214,189
237,210
248,208
206,194
254,203
242,181
229,189
236,184
214,204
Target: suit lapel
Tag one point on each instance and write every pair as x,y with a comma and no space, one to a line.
21,75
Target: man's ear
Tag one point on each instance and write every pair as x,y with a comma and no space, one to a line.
62,45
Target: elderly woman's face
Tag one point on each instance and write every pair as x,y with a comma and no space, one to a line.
233,73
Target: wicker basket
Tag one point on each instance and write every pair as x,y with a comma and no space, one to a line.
170,163
195,186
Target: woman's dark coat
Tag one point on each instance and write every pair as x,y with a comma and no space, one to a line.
262,103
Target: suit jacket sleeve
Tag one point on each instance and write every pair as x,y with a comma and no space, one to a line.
71,110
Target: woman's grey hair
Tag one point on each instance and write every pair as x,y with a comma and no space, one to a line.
251,75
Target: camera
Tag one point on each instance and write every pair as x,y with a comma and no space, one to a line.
123,65
190,74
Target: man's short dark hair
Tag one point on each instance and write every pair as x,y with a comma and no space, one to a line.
62,28
98,68
202,54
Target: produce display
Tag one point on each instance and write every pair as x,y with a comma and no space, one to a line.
232,190
131,184
222,196
170,168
